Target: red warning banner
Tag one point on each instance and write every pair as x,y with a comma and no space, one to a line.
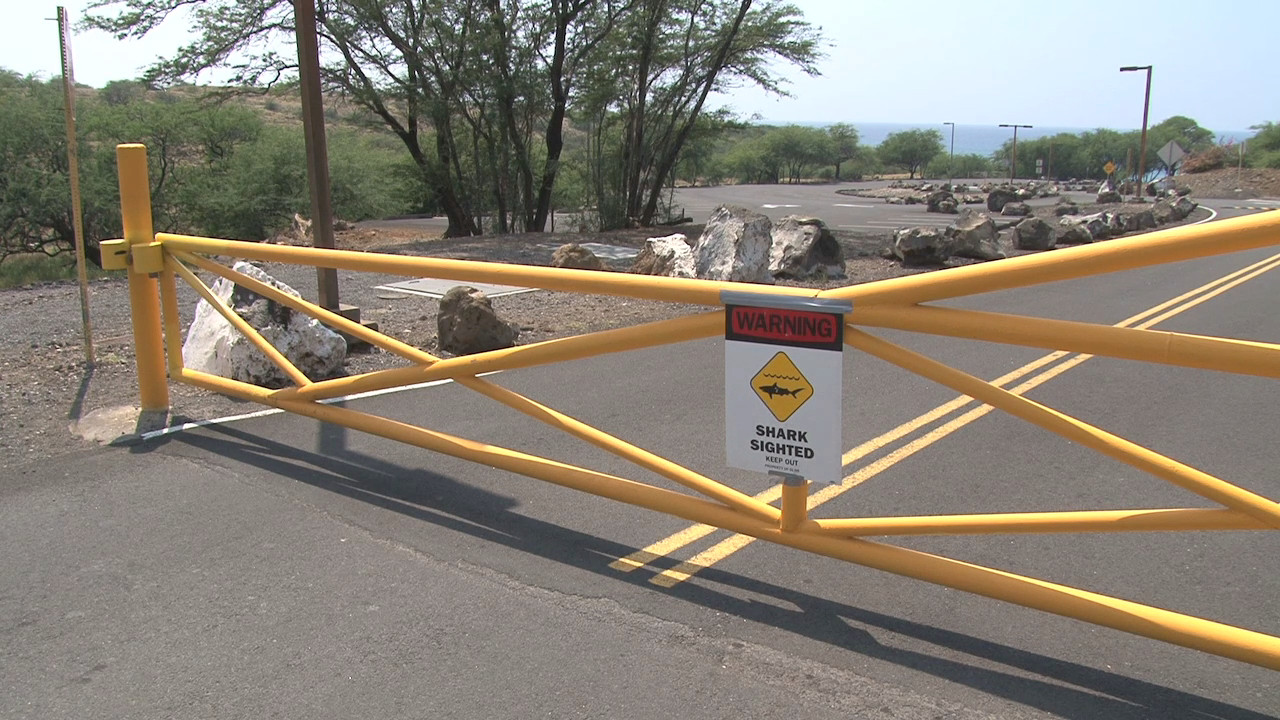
776,326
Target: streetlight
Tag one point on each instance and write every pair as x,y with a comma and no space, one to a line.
1146,105
953,150
1013,166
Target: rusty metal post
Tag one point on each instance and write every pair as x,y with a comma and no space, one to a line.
304,13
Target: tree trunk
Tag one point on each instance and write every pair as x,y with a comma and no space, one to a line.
672,150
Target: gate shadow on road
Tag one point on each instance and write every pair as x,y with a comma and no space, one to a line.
1065,689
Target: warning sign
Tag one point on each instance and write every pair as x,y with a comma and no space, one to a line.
781,386
783,390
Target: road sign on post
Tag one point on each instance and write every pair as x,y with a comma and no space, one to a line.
783,365
1171,154
1110,167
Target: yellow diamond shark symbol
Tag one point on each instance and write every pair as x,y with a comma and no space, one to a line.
781,386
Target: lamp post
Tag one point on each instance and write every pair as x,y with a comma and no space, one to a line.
952,160
1146,106
1013,166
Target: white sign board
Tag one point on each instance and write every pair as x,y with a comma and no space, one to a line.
783,370
1171,153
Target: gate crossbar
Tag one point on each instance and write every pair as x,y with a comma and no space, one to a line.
893,303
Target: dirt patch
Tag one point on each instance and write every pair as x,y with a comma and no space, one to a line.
1232,183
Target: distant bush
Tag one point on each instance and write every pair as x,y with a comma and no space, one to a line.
1205,160
123,92
1264,148
19,270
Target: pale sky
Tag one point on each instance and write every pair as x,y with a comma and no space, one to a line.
973,62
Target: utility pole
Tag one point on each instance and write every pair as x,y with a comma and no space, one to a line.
304,14
1146,107
1013,166
73,171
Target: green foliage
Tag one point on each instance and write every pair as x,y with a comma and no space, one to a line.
864,163
35,192
1263,149
910,150
969,165
1084,155
749,161
699,162
122,92
664,61
19,270
215,168
844,144
1071,156
794,150
494,81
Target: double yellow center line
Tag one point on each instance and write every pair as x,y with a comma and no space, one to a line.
723,549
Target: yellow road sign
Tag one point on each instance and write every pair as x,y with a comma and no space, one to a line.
1110,167
781,386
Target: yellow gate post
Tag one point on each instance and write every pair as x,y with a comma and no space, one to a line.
144,298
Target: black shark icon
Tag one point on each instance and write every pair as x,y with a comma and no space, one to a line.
775,390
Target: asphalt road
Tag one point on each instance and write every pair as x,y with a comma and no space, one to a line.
282,567
863,214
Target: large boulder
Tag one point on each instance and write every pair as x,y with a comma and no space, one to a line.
670,256
1033,234
1065,208
573,255
1016,209
214,346
1000,196
804,248
1074,234
1108,197
973,235
735,246
1162,211
468,324
1116,223
1096,224
921,246
940,201
1182,207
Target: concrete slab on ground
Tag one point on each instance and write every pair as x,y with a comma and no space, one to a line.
436,288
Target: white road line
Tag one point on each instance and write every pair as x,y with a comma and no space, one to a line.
276,411
852,206
771,206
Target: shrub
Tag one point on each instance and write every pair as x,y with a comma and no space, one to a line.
1206,160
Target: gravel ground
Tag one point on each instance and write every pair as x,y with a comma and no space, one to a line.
45,387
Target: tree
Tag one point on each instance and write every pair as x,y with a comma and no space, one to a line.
1264,147
463,85
911,149
844,144
478,91
1180,129
697,157
35,194
645,94
968,165
794,149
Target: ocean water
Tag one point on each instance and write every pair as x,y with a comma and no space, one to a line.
978,139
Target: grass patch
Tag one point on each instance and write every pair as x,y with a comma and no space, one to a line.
19,270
